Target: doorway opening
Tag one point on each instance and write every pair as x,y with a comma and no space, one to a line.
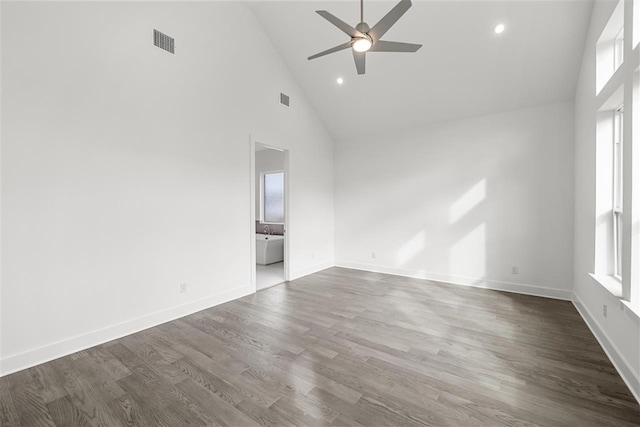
269,216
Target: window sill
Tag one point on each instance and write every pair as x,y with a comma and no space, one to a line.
610,283
614,286
634,312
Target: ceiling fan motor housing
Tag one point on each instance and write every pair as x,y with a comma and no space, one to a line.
363,27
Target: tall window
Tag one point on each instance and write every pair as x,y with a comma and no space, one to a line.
617,191
273,197
617,202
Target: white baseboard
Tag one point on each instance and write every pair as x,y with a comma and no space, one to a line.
624,368
518,288
310,270
68,346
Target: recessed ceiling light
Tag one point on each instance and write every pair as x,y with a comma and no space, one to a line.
340,80
499,29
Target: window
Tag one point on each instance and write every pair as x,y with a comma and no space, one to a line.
618,49
273,197
617,192
636,23
610,47
610,195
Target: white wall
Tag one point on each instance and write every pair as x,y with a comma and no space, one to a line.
266,161
463,201
619,332
126,170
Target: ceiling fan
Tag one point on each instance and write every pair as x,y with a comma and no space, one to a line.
365,39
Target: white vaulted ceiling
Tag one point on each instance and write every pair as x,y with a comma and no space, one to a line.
463,69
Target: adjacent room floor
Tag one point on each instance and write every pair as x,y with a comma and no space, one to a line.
339,347
269,275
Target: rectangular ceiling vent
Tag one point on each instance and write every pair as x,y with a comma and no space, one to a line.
163,41
284,99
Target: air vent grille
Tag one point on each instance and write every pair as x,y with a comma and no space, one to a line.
163,41
284,99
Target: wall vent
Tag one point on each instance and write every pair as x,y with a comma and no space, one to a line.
163,41
284,99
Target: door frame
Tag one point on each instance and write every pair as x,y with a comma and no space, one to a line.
254,143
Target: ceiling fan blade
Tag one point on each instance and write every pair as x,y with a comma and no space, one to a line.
348,29
389,19
343,46
385,46
359,57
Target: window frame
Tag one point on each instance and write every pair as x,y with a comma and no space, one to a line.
618,191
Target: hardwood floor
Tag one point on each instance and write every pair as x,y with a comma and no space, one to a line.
340,347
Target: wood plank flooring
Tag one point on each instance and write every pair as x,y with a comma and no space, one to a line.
339,348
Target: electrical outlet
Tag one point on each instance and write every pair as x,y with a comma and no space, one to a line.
373,255
313,255
183,288
515,270
604,310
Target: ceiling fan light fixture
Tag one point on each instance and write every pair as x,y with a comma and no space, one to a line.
362,44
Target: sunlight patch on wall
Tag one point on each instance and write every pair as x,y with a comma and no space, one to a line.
410,249
468,201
